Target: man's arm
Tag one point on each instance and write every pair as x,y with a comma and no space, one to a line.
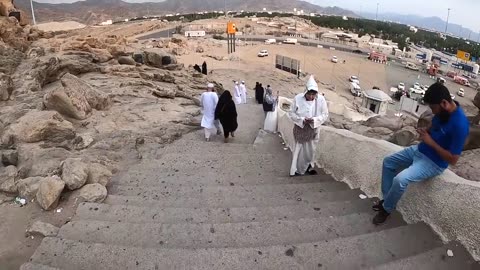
299,121
322,118
452,154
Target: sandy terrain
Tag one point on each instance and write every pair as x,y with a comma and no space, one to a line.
60,26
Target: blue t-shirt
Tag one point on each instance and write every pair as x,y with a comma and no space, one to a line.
450,135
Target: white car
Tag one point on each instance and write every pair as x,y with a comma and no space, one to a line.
263,53
354,79
334,59
416,85
453,96
461,92
401,86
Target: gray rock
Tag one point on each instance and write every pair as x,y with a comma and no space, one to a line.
37,161
380,133
391,123
6,87
425,120
93,193
10,157
39,228
28,187
97,173
476,100
49,192
126,60
74,173
6,198
8,177
404,137
159,59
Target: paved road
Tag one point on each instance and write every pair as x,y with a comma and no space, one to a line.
160,34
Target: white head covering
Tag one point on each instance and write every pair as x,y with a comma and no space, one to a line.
243,82
236,82
311,84
210,85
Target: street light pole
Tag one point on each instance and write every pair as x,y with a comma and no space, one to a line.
33,12
376,15
448,17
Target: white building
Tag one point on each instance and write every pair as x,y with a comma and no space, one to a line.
107,22
376,101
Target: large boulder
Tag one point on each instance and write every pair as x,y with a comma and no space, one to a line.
98,174
425,120
159,59
6,87
380,121
74,173
36,126
404,137
39,228
28,187
93,193
37,161
49,192
126,60
76,98
473,140
380,133
8,178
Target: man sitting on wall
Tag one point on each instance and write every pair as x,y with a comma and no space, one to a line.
442,143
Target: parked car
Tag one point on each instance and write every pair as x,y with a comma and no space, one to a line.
355,89
263,53
416,85
461,92
354,79
401,86
334,59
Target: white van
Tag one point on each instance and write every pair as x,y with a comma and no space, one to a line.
355,89
270,41
290,41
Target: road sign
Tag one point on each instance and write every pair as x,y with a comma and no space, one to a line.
465,56
231,28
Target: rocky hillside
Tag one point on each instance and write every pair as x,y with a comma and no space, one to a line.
94,11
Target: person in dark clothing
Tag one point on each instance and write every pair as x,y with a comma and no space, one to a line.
226,112
259,92
197,68
204,68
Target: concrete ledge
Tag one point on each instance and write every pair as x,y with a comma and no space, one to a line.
448,203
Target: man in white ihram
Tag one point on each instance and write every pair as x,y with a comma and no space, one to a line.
309,112
243,92
237,94
209,101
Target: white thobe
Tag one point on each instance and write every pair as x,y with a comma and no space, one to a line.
209,102
243,92
237,95
304,153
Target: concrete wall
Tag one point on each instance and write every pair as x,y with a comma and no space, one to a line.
449,203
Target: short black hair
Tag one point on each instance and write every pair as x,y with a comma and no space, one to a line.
436,93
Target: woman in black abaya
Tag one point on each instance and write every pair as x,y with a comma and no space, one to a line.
226,112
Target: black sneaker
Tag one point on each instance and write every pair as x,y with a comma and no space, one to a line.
311,171
378,206
381,217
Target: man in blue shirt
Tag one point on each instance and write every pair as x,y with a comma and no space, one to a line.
441,146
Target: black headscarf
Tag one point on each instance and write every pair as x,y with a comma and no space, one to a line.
223,103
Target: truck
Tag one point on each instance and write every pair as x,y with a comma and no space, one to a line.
461,80
290,41
270,41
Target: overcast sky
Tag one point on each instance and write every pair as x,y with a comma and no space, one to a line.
464,12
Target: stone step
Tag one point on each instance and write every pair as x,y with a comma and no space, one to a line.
211,179
361,251
435,259
132,214
237,198
35,266
166,193
223,235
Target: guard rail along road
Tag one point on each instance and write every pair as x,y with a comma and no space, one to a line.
448,203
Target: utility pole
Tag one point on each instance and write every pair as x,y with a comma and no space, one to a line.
33,12
448,17
376,15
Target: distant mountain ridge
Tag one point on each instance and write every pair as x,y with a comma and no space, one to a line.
94,11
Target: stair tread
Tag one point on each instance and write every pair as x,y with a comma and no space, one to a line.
130,213
161,192
240,199
36,266
353,252
435,259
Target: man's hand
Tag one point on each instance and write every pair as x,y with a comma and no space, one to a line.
425,137
308,120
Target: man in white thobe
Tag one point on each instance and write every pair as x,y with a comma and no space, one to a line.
243,92
237,94
309,112
209,101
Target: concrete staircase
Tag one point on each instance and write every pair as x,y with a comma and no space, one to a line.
198,205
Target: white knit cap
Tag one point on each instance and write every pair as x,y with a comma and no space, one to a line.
312,84
210,85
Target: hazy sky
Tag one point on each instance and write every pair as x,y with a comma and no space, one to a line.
464,12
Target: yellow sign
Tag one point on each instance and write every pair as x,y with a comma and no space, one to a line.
465,56
231,28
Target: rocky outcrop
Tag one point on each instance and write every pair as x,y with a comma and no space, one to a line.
8,178
39,228
93,193
49,192
393,124
28,187
74,173
38,161
6,87
159,59
404,137
76,98
425,120
38,126
126,60
9,157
